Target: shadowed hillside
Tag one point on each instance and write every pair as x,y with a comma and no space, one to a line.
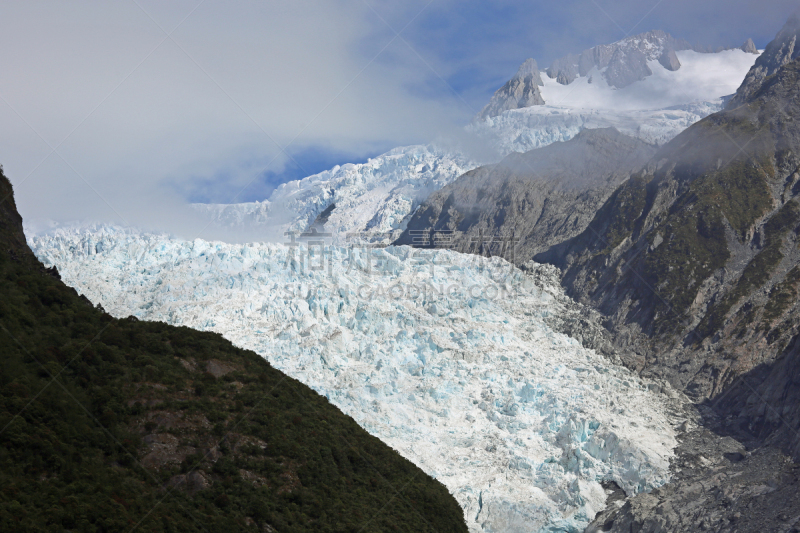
121,425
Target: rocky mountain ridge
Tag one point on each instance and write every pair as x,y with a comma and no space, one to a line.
529,202
780,51
620,64
626,60
693,259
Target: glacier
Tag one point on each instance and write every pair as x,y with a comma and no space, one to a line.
449,358
446,357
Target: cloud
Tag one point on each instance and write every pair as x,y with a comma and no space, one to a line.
150,104
136,116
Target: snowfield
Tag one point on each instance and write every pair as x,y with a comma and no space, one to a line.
701,78
381,194
446,357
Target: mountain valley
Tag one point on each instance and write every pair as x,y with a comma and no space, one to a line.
590,324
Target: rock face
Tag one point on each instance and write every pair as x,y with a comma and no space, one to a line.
531,201
626,59
521,91
749,47
717,486
669,60
763,406
567,68
627,67
783,49
694,261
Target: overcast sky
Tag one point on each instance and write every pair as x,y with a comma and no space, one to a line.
122,110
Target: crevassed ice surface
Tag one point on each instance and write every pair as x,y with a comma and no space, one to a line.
446,357
380,195
376,196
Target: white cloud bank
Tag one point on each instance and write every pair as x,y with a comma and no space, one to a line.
134,114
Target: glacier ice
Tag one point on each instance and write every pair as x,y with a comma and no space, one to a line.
380,196
376,196
446,357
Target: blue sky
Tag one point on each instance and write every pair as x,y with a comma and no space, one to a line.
478,45
120,111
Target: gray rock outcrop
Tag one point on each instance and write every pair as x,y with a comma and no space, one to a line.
565,69
627,67
717,485
783,49
626,59
669,60
749,47
520,91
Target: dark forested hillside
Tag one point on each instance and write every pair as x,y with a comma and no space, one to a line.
121,425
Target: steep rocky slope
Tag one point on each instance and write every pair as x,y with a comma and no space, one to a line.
694,260
783,49
522,90
529,202
695,264
118,425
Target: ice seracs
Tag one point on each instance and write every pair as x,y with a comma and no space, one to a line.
376,196
447,357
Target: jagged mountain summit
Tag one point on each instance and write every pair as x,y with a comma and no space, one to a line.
749,47
616,66
626,61
783,49
521,91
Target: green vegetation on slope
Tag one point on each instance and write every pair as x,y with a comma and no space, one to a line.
627,204
694,242
122,425
759,270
